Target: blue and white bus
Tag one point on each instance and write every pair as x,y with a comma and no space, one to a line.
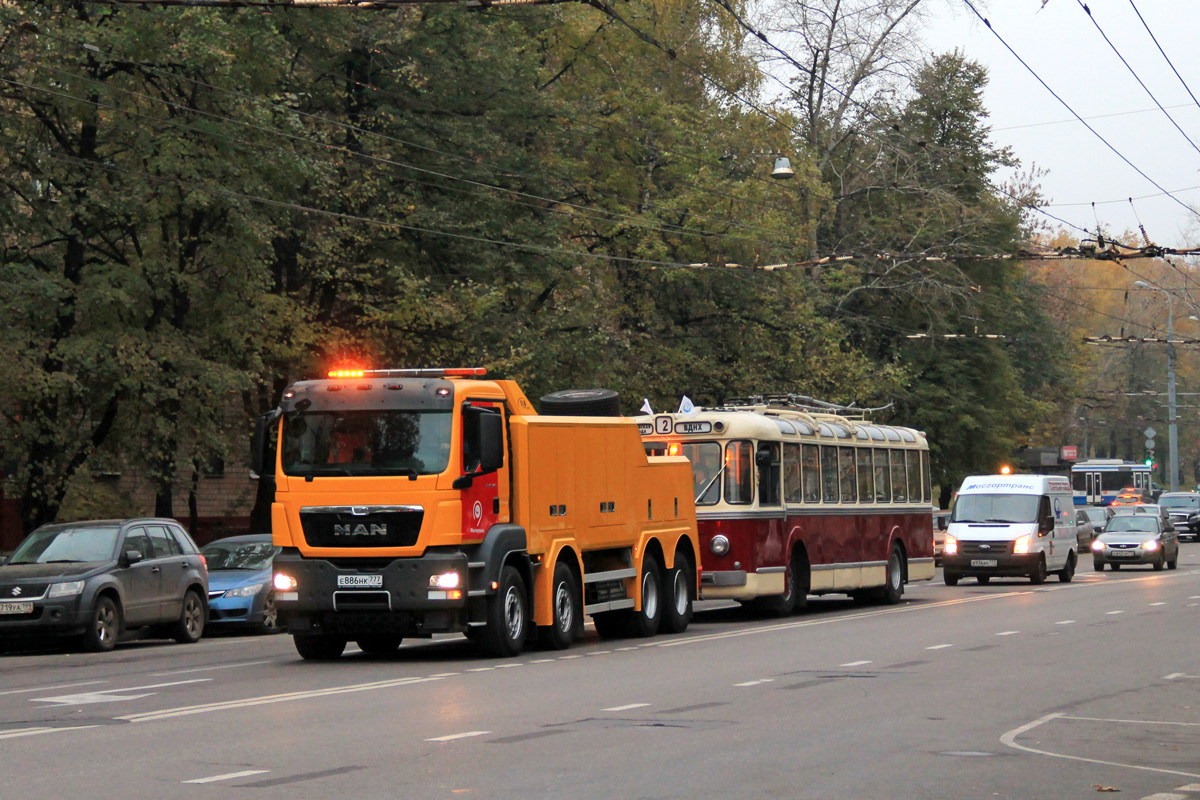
1097,482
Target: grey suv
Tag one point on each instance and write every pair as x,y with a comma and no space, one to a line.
98,579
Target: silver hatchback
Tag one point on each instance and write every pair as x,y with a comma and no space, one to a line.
1136,539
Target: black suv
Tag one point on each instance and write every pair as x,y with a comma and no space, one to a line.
98,579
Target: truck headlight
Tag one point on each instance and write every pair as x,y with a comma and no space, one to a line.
447,580
285,583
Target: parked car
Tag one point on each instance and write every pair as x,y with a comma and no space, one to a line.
1136,539
240,593
98,579
1090,522
1184,510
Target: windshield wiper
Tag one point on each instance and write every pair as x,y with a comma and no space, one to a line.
1010,521
63,561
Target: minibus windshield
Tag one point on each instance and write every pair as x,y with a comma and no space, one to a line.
996,508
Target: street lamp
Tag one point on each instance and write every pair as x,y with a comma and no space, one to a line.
1172,429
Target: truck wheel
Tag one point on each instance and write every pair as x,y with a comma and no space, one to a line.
1038,576
611,624
319,646
582,403
645,623
507,616
951,578
379,645
680,585
1068,572
567,617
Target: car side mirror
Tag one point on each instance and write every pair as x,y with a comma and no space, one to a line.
130,557
3,560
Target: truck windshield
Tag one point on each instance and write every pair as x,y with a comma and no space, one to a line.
366,443
996,508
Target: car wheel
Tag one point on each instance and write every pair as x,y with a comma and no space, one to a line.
564,600
1038,576
318,646
1161,562
1115,567
951,578
104,626
190,625
270,616
1097,565
984,579
379,645
1174,562
1068,572
681,586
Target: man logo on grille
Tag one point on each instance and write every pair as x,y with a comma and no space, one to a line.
360,530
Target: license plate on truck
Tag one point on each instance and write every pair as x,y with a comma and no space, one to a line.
360,581
16,608
985,562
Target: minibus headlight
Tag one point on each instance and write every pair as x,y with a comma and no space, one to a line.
950,545
1022,544
719,545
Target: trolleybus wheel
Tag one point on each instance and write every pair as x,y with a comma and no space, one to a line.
893,590
564,597
508,616
792,599
318,646
1039,571
680,586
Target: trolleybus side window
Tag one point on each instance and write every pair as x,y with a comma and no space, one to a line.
706,470
810,472
926,479
883,478
866,477
899,489
768,474
912,460
791,473
829,473
846,471
739,473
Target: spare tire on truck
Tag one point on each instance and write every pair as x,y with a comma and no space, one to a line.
582,403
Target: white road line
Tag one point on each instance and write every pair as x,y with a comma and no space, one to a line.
1191,787
542,661
209,669
1008,633
628,707
17,734
481,669
568,658
1135,721
228,776
750,683
508,666
1065,622
1010,738
855,663
1158,604
1114,612
939,647
168,713
598,653
454,736
1194,597
111,695
51,688
448,674
625,649
1165,796
1172,676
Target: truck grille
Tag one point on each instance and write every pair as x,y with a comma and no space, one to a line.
984,548
362,526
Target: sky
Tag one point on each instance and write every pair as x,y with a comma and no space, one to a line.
1062,45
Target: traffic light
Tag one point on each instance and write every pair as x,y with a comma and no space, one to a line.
1149,462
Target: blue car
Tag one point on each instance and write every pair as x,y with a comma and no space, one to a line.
240,593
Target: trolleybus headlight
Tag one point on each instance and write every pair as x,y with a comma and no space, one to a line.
719,545
950,545
1022,544
1150,544
285,583
1098,545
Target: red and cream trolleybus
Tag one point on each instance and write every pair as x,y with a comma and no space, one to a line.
791,501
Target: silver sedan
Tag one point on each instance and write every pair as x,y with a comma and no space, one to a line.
1136,539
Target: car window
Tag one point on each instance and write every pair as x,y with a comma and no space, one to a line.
136,539
164,544
1133,523
184,540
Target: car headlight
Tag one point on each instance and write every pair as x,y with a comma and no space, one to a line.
719,545
1150,544
950,545
68,589
245,591
1022,544
1098,545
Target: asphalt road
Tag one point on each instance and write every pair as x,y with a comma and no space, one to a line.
998,691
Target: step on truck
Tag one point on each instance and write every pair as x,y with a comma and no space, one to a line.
410,502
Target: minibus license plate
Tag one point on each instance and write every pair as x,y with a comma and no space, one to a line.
16,608
984,562
360,581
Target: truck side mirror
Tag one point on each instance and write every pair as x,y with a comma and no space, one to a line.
491,442
483,443
260,441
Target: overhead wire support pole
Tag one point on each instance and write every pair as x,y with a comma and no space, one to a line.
1172,424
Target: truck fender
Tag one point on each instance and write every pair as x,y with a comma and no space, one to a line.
498,544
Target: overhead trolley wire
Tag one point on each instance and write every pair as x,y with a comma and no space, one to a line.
1164,53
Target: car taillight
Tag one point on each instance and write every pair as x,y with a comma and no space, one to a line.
203,562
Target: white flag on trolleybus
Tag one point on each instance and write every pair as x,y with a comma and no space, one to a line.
686,407
646,409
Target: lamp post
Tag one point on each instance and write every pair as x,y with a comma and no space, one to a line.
1172,429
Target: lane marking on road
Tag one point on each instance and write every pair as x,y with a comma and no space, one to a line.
445,675
229,776
855,663
1010,739
1114,612
1134,721
1191,787
111,695
1175,675
17,734
454,736
598,653
1158,604
481,669
1008,633
542,661
625,649
209,669
627,707
1065,622
168,713
509,666
51,688
939,647
568,658
1165,796
1194,597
